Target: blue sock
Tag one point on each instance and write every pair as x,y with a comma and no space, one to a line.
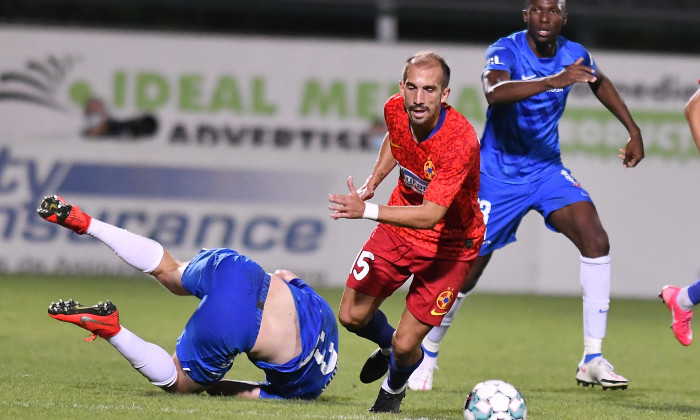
587,358
398,376
694,292
378,330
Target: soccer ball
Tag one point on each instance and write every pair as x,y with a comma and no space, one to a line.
494,400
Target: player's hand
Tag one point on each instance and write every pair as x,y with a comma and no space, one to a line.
633,153
366,191
573,73
350,206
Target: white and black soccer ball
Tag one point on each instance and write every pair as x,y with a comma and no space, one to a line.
495,400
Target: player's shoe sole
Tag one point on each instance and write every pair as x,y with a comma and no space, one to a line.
375,367
101,319
56,210
599,372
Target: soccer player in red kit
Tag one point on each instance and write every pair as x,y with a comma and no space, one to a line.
431,228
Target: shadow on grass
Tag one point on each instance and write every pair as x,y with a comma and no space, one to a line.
665,407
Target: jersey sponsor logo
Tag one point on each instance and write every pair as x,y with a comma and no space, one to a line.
429,169
443,302
528,77
413,181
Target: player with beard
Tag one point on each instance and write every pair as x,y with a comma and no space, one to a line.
431,228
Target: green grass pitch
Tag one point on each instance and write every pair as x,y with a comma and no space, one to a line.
48,371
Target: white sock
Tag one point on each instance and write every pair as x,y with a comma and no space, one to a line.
385,387
683,300
592,345
136,250
595,280
150,360
432,341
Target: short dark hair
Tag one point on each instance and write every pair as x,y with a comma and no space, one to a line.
562,4
424,56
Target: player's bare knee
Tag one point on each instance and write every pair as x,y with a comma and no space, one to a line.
175,388
170,276
405,348
184,385
595,245
351,320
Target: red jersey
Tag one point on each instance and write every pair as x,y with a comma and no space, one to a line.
443,169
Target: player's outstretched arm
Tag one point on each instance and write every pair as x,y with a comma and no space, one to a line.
692,114
500,89
351,206
606,93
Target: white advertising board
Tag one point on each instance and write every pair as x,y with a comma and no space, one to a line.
250,135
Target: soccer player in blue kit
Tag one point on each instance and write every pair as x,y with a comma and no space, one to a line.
527,78
284,327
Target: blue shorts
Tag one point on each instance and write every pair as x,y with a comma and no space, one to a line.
504,205
233,290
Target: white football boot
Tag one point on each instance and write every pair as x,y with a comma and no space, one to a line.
422,378
599,372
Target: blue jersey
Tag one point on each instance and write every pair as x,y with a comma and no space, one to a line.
307,375
521,140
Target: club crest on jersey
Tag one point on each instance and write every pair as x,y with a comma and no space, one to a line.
429,169
444,299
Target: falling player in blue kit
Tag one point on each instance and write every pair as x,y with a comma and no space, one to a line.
527,78
284,327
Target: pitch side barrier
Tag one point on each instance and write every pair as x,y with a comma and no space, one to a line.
205,141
